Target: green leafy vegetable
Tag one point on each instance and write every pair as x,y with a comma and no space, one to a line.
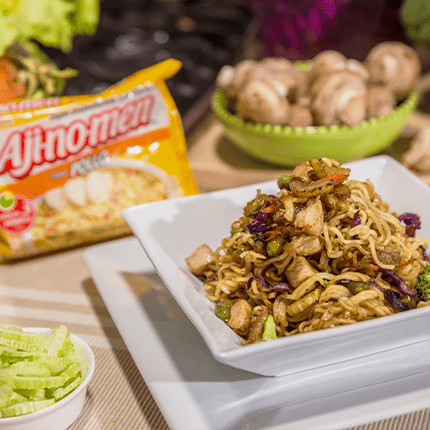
415,16
53,23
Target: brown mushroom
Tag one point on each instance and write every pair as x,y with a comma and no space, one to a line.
358,67
395,65
339,98
259,101
326,62
418,155
300,114
232,79
380,101
290,81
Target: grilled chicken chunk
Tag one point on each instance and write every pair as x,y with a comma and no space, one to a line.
240,316
310,219
307,245
200,259
301,271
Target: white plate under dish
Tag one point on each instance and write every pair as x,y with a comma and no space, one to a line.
171,230
195,392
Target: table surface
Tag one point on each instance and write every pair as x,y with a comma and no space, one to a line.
57,289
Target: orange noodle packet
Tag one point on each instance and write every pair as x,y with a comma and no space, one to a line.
70,165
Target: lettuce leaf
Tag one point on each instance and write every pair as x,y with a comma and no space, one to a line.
53,23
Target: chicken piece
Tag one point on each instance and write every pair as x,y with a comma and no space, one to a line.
200,259
75,191
240,315
307,245
310,219
301,271
99,186
55,199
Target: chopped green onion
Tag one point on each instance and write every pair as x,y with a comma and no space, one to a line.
269,332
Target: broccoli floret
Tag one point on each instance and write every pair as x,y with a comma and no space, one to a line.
423,284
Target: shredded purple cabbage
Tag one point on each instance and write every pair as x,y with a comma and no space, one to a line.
412,222
399,282
425,255
258,223
356,220
280,286
261,217
392,297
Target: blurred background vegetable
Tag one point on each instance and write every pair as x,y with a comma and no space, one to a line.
415,16
28,26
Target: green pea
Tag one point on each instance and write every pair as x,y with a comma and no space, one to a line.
274,247
222,309
284,181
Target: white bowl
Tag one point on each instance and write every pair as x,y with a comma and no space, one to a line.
63,413
171,230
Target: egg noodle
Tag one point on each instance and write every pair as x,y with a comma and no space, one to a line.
324,251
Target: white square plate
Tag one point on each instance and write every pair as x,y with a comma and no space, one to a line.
169,231
182,374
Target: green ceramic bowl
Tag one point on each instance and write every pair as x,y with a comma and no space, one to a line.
288,146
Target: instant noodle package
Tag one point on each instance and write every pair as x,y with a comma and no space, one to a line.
70,165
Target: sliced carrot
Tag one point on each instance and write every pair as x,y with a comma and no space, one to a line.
405,263
270,209
335,178
8,67
274,233
6,92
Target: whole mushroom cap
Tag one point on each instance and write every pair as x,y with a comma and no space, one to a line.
395,65
290,81
326,62
339,98
237,79
380,101
260,102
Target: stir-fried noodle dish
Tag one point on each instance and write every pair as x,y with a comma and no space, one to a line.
325,251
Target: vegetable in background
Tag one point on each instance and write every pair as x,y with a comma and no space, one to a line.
35,372
415,16
26,24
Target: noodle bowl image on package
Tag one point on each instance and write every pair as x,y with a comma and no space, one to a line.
69,165
328,264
